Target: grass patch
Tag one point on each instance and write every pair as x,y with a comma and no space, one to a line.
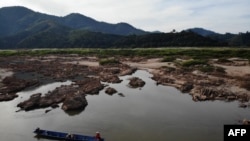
223,60
206,69
210,69
168,59
194,62
110,61
220,69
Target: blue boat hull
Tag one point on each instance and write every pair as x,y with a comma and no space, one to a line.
64,136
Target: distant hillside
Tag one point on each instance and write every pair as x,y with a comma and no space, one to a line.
241,39
202,31
19,19
23,28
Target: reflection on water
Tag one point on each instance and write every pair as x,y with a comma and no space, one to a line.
150,113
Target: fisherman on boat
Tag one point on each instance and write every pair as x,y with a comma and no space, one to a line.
98,136
70,136
37,130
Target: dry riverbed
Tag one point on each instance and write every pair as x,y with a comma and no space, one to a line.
226,80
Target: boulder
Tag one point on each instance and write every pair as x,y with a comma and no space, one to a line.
110,91
136,82
90,85
31,103
7,97
127,71
76,101
242,105
231,97
110,78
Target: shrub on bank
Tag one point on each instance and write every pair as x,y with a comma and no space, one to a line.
194,62
109,61
168,59
209,69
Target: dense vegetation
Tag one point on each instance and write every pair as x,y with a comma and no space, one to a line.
241,39
55,37
196,53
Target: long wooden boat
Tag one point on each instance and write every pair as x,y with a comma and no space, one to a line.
66,136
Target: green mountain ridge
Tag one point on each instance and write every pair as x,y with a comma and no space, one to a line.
241,39
23,28
18,19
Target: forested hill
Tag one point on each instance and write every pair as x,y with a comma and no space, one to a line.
58,37
23,28
19,19
241,39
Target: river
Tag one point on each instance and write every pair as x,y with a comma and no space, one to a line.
150,113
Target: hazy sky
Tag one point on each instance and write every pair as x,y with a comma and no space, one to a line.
164,15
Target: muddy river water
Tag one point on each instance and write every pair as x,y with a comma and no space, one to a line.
148,114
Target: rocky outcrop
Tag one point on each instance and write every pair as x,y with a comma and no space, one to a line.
213,94
31,103
186,87
75,101
246,122
163,80
136,82
90,85
110,91
12,85
110,78
127,71
70,96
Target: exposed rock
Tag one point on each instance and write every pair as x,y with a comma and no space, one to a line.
163,80
71,97
209,92
110,78
90,85
30,104
110,91
121,94
136,82
7,97
46,111
11,85
212,94
111,70
243,98
199,97
231,97
75,101
242,105
127,71
54,106
186,87
245,122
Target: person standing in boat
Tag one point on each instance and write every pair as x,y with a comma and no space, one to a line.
98,136
70,136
